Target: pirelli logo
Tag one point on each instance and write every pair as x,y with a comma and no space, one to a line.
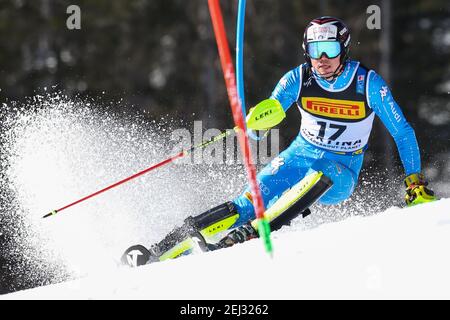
331,108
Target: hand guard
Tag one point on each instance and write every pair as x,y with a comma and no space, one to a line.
265,115
417,191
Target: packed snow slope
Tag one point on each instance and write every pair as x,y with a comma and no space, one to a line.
399,253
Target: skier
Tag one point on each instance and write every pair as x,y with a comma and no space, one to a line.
338,99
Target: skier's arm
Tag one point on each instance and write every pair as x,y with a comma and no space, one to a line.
286,92
288,88
383,104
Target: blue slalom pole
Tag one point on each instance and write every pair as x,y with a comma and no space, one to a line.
240,62
240,54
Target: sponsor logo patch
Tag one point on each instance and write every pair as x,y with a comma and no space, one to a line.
396,115
322,32
343,31
276,164
360,84
383,92
331,108
308,82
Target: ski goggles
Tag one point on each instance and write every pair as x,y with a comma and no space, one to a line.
330,48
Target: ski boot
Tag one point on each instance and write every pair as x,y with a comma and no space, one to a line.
183,240
239,235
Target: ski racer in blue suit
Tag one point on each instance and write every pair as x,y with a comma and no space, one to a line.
338,99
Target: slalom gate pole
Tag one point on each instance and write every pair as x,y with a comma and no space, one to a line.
230,81
240,54
183,153
240,63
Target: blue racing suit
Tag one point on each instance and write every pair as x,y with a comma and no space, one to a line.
337,119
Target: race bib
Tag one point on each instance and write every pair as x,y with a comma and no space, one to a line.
335,125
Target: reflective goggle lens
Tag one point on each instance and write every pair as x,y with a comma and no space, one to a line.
330,48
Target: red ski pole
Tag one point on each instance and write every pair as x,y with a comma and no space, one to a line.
155,166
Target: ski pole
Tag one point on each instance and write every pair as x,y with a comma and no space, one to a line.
183,153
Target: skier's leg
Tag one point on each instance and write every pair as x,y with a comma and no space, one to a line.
290,205
340,175
182,240
282,211
299,160
281,174
343,171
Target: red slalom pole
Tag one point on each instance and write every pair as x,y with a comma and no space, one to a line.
230,81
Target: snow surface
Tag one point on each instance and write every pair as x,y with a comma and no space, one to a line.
396,254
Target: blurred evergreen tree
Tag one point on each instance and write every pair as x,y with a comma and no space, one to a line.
160,56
